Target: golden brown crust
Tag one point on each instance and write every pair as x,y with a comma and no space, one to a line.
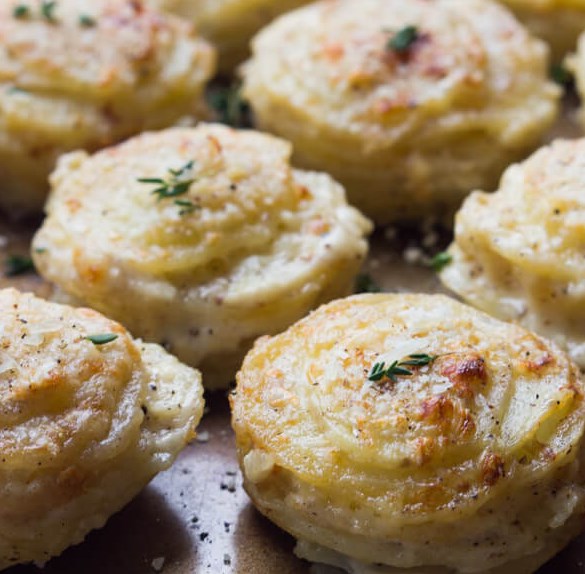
83,426
428,469
407,133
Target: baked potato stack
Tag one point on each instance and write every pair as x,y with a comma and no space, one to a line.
410,105
89,415
208,228
410,431
75,76
518,253
392,433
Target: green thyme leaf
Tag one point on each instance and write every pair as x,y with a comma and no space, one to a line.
440,261
16,90
48,10
364,283
561,75
419,360
402,41
18,265
181,171
87,21
230,107
173,190
21,11
377,372
394,370
102,338
151,180
186,206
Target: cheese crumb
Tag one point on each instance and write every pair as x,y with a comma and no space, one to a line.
202,436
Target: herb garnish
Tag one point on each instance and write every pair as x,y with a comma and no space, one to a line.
186,206
402,41
561,75
229,105
175,183
102,338
380,371
21,11
16,90
47,10
364,283
419,360
87,21
18,265
440,261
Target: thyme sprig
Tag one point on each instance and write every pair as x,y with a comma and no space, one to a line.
48,10
175,184
380,371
